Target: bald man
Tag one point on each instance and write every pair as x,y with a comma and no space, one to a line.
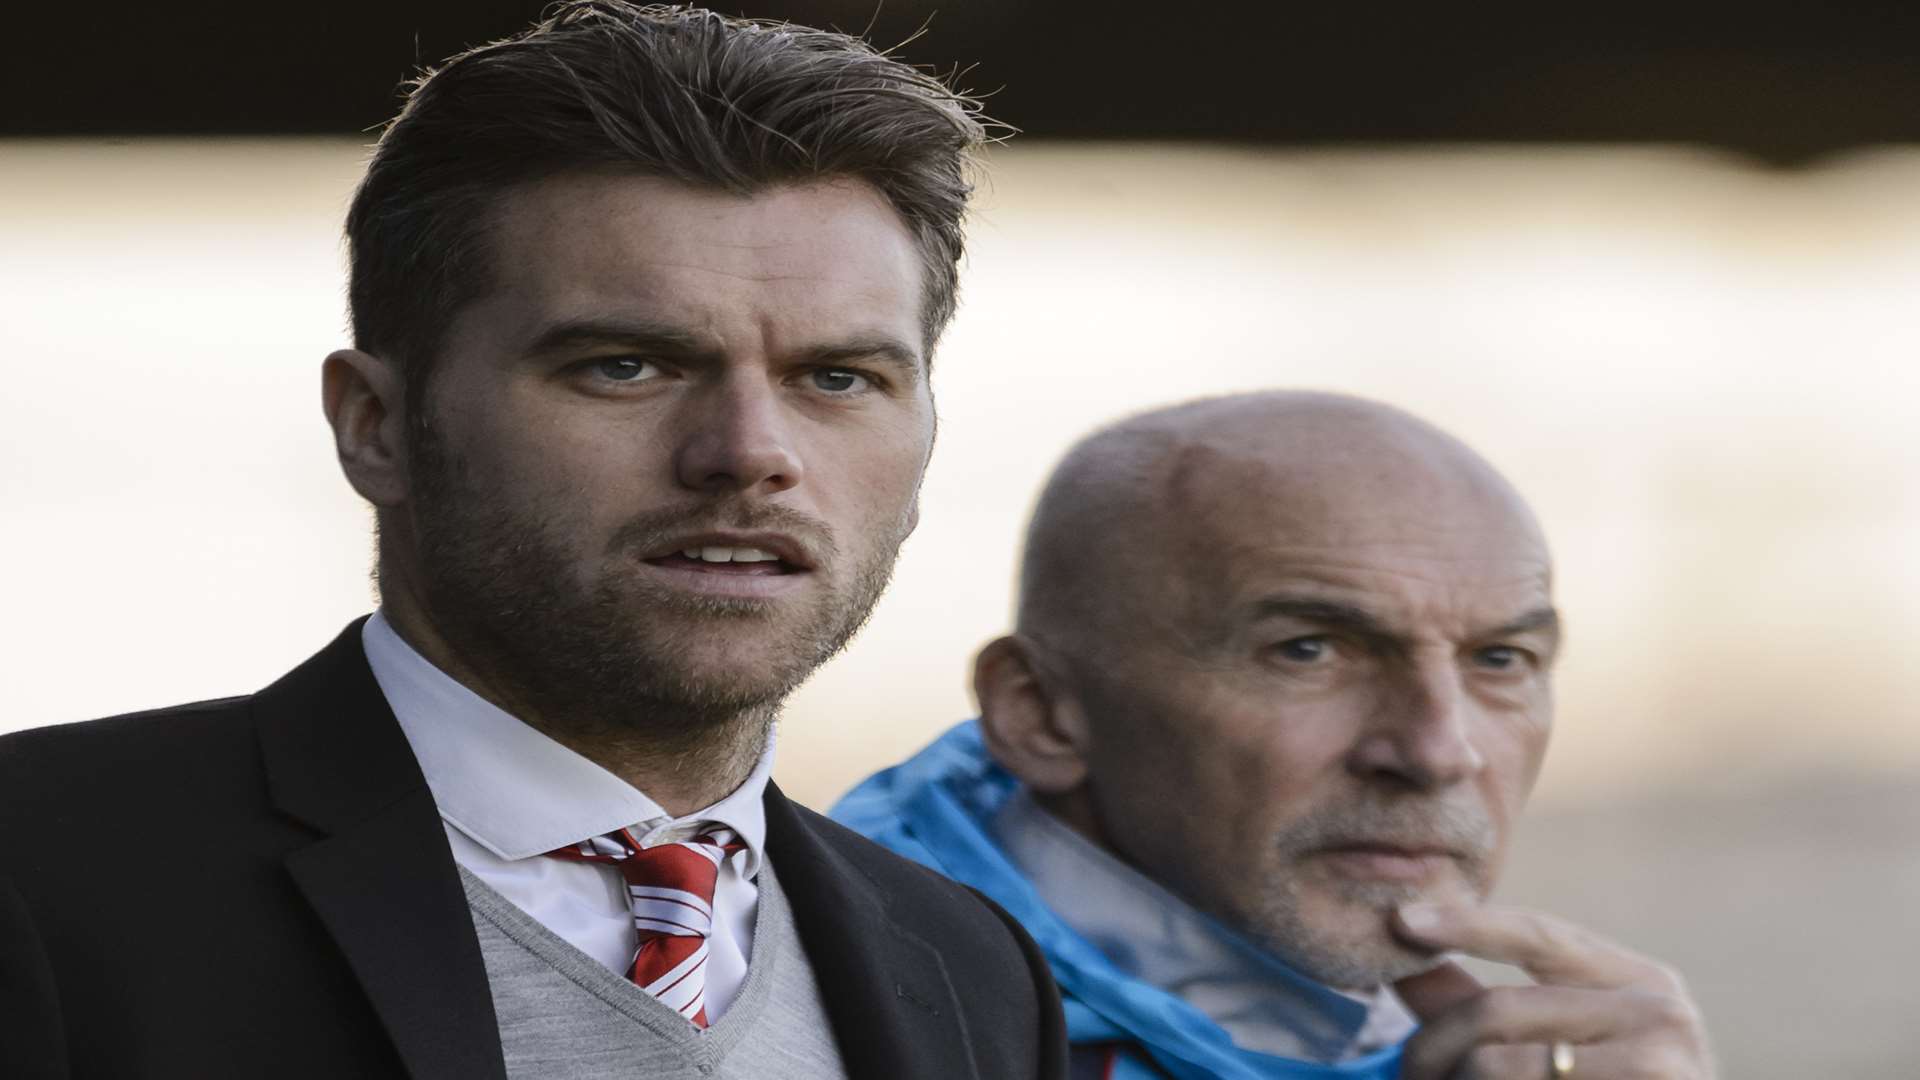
1248,765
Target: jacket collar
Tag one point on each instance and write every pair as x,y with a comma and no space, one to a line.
383,882
380,875
886,990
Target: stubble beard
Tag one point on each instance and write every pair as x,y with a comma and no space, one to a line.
617,657
1281,921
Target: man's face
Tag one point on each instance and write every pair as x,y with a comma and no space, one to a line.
663,468
1330,699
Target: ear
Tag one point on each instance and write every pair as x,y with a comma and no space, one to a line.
1032,725
361,394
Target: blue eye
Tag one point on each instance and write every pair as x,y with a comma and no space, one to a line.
625,369
1305,650
1499,657
839,380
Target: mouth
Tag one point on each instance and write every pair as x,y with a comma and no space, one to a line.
734,564
753,554
1388,861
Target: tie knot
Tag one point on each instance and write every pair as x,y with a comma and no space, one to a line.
690,866
685,867
670,896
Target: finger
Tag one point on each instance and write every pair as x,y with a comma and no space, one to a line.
1549,949
1434,991
1602,1061
1530,1014
1504,1062
1495,1062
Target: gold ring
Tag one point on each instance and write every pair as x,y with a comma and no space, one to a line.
1560,1060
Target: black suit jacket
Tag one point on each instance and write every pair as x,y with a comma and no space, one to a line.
261,886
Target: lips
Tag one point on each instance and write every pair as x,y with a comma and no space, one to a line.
754,567
749,553
1391,848
1391,862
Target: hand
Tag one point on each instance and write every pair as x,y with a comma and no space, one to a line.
1626,1016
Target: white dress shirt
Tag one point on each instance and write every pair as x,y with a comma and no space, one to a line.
1154,936
508,794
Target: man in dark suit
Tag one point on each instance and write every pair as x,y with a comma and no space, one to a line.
643,305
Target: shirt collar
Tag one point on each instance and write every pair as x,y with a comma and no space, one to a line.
1154,936
517,792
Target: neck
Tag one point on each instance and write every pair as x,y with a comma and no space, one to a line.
1155,935
681,775
681,763
1074,809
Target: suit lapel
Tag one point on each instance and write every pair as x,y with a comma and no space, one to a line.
886,991
381,878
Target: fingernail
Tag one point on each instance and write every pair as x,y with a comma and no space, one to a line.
1420,916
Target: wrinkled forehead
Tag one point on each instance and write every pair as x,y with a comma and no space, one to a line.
1256,513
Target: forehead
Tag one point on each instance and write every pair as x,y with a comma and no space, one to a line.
791,259
1439,548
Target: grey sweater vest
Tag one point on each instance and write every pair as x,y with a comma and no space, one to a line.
564,1016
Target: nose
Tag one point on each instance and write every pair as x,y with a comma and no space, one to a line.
738,439
1424,735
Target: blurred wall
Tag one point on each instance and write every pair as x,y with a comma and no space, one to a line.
1787,83
1702,374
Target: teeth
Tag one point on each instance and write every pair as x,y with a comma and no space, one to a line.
729,554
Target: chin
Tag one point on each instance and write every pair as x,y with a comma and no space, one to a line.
1347,960
1380,961
1342,937
742,651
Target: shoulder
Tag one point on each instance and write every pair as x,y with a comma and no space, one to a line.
911,886
115,737
90,736
857,849
117,772
201,760
992,964
881,846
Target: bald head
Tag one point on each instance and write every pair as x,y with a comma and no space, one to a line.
1288,654
1135,508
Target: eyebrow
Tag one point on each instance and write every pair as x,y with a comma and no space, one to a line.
887,350
1327,613
1543,620
1363,623
639,333
674,342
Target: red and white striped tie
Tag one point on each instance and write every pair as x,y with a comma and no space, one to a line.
670,889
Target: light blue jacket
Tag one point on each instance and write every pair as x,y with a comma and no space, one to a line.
934,808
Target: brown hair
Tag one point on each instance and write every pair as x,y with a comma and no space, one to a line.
676,92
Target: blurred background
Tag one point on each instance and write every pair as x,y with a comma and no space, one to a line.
1659,265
